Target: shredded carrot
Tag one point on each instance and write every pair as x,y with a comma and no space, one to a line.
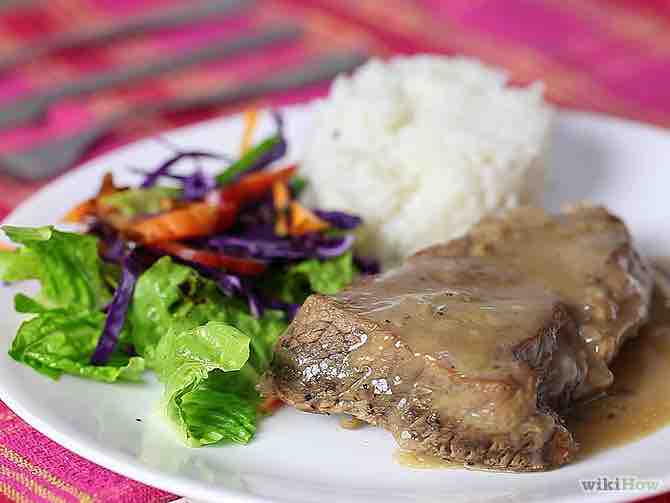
6,247
281,225
281,197
250,121
193,220
107,187
80,212
256,185
167,204
304,221
90,207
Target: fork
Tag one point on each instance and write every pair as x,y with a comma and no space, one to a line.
33,106
52,157
154,21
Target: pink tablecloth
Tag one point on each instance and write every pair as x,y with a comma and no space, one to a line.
611,56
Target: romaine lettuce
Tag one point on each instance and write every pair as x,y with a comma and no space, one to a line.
134,202
296,282
66,264
61,341
202,411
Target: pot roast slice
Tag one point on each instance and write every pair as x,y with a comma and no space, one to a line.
458,358
586,256
467,350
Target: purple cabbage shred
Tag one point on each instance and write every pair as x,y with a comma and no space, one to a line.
339,219
197,185
290,309
367,265
117,311
280,249
164,169
113,247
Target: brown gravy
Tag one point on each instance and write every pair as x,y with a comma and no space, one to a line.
638,403
412,459
351,423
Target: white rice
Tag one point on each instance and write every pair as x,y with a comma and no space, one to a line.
423,147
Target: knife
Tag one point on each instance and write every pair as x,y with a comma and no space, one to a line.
52,157
138,25
32,107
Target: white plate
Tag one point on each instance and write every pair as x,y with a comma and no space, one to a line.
300,457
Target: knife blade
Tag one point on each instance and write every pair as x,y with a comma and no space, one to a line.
32,107
52,157
139,25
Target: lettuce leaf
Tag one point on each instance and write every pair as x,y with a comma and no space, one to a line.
170,295
66,264
61,341
297,282
191,335
203,413
224,406
173,296
134,202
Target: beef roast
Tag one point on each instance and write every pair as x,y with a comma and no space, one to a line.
450,355
467,350
586,256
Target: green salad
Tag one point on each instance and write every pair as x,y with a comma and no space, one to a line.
195,281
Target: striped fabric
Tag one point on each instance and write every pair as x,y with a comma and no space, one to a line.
609,56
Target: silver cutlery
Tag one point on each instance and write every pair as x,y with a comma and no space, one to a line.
53,157
33,106
139,25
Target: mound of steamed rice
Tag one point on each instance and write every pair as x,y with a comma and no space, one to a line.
423,147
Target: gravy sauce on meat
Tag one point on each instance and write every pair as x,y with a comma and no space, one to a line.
473,350
412,459
636,405
631,409
497,309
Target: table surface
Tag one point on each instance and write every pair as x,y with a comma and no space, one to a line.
608,56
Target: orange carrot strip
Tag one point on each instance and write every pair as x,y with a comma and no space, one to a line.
6,247
89,208
107,187
250,122
256,185
194,220
281,197
80,212
304,221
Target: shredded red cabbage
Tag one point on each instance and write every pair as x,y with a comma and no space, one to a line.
112,247
367,265
290,309
254,302
232,285
334,247
282,249
116,313
197,185
268,249
339,220
164,169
